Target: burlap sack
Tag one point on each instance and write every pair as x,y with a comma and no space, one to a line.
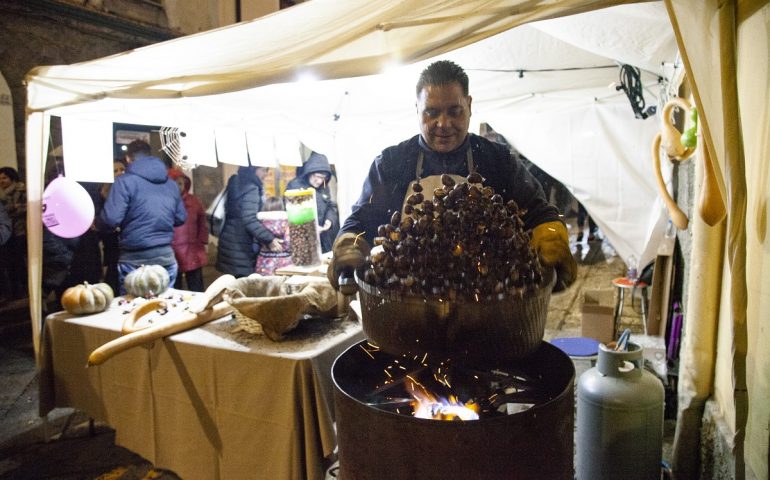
264,304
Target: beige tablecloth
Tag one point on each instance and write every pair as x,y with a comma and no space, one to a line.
207,403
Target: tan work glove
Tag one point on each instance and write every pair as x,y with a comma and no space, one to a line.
551,242
348,253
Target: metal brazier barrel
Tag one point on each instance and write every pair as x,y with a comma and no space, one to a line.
378,444
499,328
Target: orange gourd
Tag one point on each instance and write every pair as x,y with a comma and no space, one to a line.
87,298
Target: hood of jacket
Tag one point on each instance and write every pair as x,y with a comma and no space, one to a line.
247,176
150,168
317,163
174,173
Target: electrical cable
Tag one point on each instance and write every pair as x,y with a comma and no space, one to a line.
631,84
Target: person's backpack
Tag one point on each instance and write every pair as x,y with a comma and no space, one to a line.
215,214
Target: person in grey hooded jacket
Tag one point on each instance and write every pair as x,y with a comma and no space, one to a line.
145,205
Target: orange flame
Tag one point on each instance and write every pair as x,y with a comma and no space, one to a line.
431,406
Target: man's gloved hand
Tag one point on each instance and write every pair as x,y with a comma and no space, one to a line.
348,253
551,242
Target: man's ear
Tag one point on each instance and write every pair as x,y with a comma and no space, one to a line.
470,100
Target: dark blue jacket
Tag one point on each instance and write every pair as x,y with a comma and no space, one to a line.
146,205
391,172
242,232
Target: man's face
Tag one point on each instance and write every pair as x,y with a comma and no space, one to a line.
5,181
445,114
261,172
118,169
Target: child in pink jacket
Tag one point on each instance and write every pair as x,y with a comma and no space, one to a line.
191,238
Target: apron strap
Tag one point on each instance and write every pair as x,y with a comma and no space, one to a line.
421,156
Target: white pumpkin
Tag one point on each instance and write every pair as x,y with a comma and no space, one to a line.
147,281
87,298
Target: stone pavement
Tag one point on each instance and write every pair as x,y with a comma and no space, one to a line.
68,447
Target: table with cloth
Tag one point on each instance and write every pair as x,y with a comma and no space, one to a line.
207,403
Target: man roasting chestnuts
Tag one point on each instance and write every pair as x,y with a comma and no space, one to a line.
445,147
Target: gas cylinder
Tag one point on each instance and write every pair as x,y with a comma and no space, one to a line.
619,418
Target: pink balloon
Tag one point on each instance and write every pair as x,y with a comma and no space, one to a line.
68,210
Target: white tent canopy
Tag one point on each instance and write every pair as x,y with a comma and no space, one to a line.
545,86
344,85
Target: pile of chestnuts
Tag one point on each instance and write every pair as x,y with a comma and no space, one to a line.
464,243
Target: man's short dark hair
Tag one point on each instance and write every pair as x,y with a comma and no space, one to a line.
139,147
443,72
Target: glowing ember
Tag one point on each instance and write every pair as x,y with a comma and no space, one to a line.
431,406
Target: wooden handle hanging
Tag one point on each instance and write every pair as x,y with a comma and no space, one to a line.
678,218
711,206
671,137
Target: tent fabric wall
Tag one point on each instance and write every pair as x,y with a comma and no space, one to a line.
346,46
721,43
753,81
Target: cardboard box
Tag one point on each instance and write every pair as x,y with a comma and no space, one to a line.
598,315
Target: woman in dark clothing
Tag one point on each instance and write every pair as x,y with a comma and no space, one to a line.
109,239
243,235
316,174
13,255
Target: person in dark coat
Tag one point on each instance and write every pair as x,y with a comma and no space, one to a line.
316,174
87,259
6,226
243,234
110,246
145,204
13,254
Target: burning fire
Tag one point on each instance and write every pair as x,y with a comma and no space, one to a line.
431,406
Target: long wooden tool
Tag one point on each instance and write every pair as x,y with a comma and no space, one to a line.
148,334
678,217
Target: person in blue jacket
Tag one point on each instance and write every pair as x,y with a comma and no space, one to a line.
243,235
444,146
145,205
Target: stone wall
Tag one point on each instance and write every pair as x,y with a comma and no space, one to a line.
717,459
48,32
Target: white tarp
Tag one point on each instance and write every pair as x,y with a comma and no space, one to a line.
344,85
545,86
